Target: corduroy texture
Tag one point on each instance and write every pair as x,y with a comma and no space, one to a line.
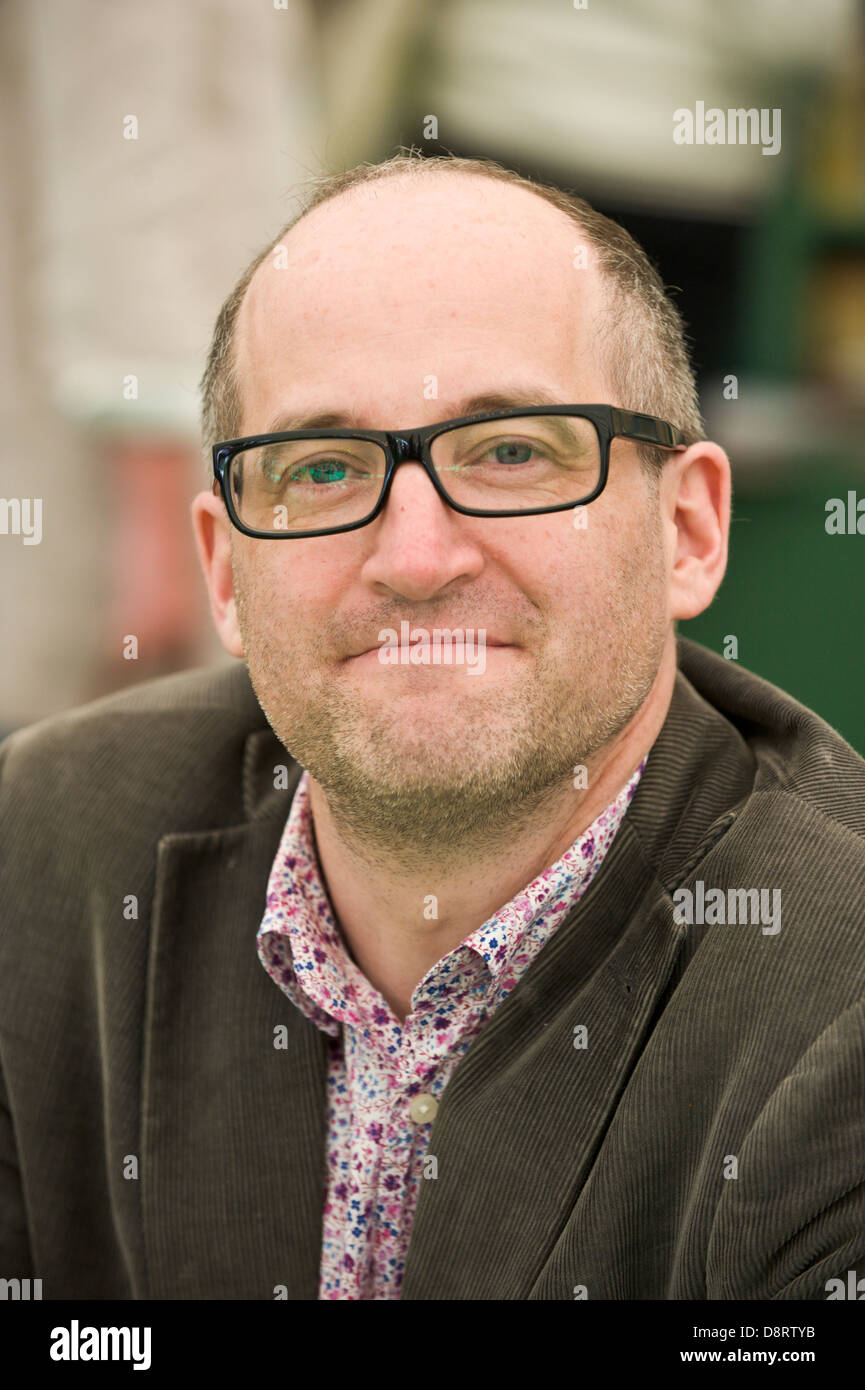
710,1048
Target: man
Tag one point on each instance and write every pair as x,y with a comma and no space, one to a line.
535,970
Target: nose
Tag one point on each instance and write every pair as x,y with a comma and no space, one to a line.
420,545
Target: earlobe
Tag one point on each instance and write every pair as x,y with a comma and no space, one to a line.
212,530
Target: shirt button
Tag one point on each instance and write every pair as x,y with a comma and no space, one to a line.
423,1109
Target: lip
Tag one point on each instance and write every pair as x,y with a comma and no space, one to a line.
369,651
372,653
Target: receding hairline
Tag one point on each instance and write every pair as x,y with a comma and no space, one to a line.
607,287
366,188
645,353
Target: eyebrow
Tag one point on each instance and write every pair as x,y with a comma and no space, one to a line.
516,398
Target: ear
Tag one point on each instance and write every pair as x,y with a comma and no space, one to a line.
213,539
695,493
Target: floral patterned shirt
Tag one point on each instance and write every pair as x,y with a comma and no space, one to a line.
385,1078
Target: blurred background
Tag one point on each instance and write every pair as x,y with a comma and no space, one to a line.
149,151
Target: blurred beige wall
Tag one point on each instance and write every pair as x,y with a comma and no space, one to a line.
115,255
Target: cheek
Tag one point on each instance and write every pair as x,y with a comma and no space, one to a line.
567,563
265,602
288,595
595,569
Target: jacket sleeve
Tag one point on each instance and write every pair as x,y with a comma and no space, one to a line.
16,1258
794,1218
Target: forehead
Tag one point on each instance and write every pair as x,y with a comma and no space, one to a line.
412,277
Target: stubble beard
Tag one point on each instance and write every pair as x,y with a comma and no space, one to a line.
481,763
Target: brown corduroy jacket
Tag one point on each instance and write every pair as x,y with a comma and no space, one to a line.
704,1137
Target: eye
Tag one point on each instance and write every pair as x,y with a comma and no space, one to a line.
325,471
318,471
512,451
507,452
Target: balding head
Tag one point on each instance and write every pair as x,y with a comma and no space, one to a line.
389,285
641,345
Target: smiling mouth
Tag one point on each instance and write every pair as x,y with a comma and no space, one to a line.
470,640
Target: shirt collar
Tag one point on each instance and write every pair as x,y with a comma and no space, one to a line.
301,947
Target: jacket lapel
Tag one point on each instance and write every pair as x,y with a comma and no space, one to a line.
233,1127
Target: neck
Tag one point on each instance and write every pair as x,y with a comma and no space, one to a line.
398,922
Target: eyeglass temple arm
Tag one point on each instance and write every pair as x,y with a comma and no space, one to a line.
647,429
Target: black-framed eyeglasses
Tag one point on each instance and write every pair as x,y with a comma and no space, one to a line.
518,462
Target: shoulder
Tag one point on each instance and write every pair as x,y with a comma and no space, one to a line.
225,691
804,771
161,745
793,840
